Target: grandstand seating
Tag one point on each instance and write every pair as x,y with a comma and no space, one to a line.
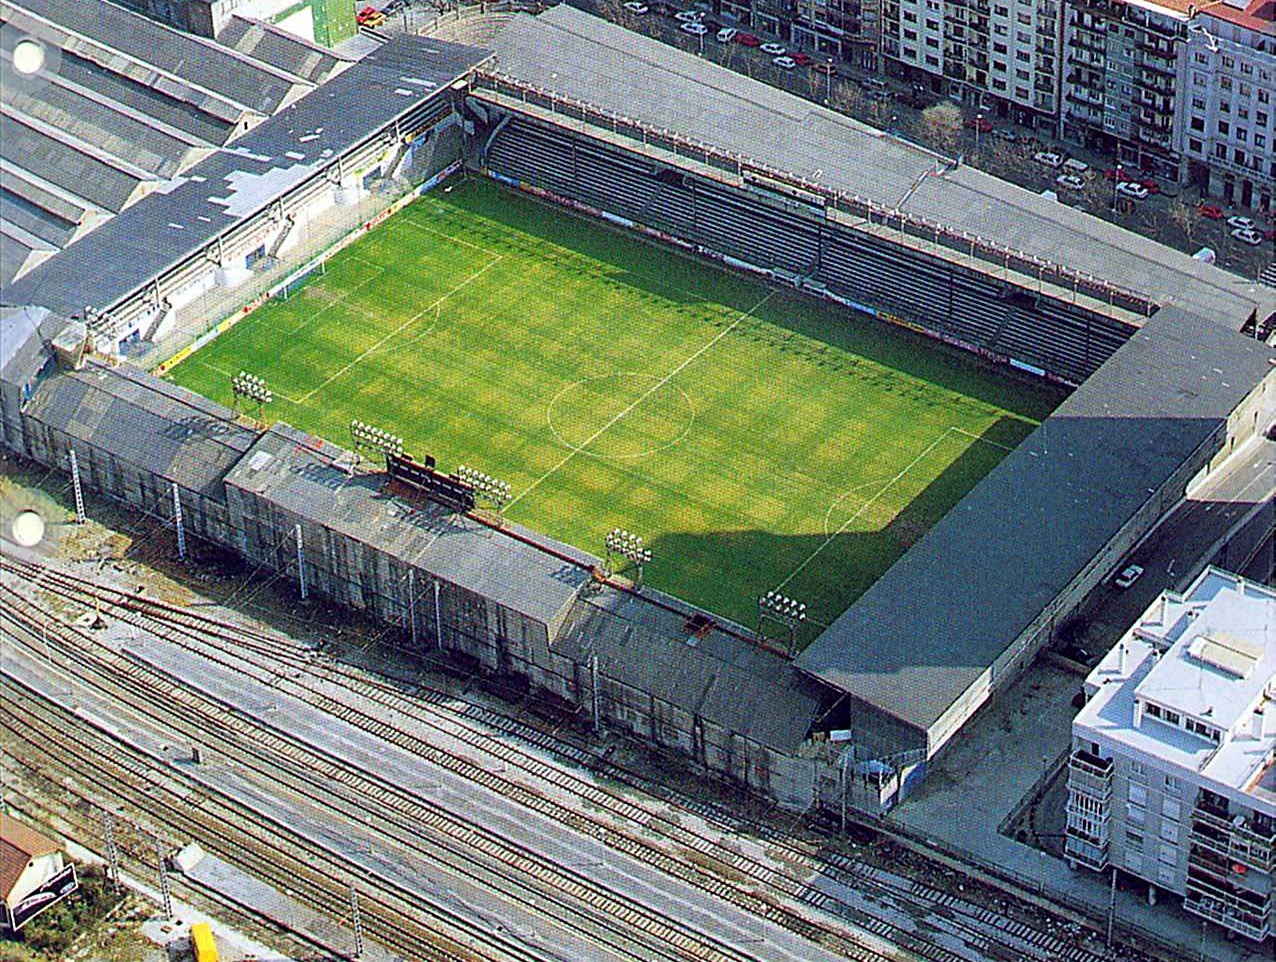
784,234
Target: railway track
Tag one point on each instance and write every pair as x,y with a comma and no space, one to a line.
732,875
497,864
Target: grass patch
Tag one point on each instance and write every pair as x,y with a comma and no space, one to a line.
754,437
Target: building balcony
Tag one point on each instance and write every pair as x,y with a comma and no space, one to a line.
1247,913
1090,775
1235,841
1086,853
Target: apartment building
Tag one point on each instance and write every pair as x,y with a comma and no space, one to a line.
842,29
1226,114
1121,66
1000,55
1172,776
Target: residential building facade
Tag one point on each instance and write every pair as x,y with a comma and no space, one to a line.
1121,66
1226,119
1172,775
841,29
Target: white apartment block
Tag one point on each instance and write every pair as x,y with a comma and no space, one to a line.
1003,55
1172,776
1225,125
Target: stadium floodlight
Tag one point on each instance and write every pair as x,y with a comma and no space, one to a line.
493,489
369,436
625,544
785,610
251,387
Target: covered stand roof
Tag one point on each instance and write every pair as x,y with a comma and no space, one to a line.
310,478
588,59
938,619
236,182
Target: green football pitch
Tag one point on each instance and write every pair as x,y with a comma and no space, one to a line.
756,439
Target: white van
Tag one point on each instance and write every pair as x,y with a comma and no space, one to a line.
727,34
1076,166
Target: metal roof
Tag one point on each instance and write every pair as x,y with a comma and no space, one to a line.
99,25
140,420
718,676
46,152
236,182
588,59
300,474
24,334
280,49
938,619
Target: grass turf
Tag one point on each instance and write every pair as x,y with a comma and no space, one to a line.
755,438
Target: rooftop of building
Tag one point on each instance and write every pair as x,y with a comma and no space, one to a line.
312,479
587,59
1256,15
155,426
19,844
1156,659
1012,544
657,645
232,184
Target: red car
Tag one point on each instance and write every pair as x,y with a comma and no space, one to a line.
1210,211
363,15
982,124
802,59
1151,184
825,67
747,40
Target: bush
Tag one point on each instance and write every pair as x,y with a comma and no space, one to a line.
52,933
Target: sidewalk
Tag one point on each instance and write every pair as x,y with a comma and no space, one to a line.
1002,757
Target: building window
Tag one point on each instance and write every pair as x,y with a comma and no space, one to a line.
1172,717
1260,140
1220,151
1133,838
1198,103
1173,787
1134,861
1170,832
1154,711
1136,814
1165,874
1198,123
1201,57
1228,62
1138,794
1224,107
1224,83
1137,771
1194,146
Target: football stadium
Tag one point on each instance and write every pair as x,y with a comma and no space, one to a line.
731,422
756,438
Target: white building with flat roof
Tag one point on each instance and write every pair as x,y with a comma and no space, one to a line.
1172,776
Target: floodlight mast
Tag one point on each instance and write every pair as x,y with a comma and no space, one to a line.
625,544
374,438
251,387
776,607
494,490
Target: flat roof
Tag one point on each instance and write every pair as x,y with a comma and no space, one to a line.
308,477
588,59
1157,663
926,631
234,183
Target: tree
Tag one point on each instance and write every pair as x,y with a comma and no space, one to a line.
941,126
1183,217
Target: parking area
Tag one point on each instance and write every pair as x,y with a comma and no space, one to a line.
1176,216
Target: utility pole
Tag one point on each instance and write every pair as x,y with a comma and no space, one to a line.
112,853
356,922
301,561
75,485
177,520
165,892
1112,907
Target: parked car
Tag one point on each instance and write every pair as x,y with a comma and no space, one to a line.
362,17
1119,173
1048,158
1070,181
1247,236
693,27
826,67
747,40
1128,576
774,49
784,63
1006,134
1130,188
981,124
802,59
633,6
726,34
873,83
1081,656
375,20
1210,211
1241,223
880,96
1076,166
689,16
